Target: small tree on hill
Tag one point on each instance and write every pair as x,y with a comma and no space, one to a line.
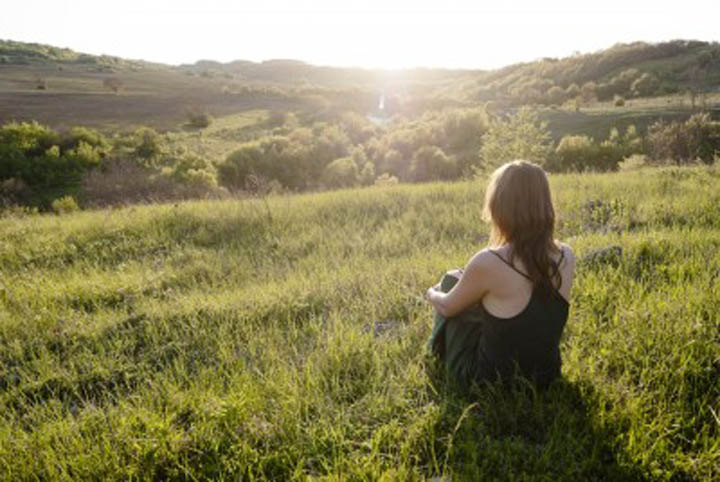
521,136
114,84
645,85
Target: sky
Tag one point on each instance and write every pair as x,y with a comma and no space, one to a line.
390,34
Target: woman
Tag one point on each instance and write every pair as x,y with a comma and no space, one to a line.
506,310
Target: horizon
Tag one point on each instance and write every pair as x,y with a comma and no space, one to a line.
360,67
341,35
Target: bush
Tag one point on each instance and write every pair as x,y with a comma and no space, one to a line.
199,120
574,153
65,205
633,162
430,162
148,145
194,170
582,153
341,172
619,101
114,84
386,179
48,165
297,160
367,174
684,142
124,181
645,85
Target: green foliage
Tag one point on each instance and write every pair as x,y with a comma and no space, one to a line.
386,179
192,169
65,205
148,145
48,164
698,138
296,161
520,136
645,85
199,119
582,153
367,174
341,172
431,163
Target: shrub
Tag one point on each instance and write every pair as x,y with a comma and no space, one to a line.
430,162
296,160
342,172
64,205
633,162
645,85
574,153
683,142
386,179
114,84
124,181
199,120
619,101
582,153
148,145
48,165
193,169
367,174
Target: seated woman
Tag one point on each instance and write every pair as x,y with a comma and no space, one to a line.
504,313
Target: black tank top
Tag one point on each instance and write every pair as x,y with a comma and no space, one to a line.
484,347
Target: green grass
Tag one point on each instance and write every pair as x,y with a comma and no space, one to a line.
222,137
235,339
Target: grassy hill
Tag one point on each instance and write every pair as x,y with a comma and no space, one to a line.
61,87
284,338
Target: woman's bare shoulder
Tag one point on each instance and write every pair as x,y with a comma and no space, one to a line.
481,258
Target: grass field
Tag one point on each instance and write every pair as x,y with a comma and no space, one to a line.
239,339
596,120
154,97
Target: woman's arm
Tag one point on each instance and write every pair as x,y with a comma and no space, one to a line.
469,290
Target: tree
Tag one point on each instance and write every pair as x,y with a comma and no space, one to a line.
555,95
342,172
645,85
588,92
114,84
431,163
521,136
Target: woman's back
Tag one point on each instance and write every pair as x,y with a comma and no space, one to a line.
520,329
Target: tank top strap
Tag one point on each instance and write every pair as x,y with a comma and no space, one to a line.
509,264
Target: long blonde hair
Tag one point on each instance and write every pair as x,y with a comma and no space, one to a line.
520,211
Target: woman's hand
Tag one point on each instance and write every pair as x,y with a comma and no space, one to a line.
474,281
429,292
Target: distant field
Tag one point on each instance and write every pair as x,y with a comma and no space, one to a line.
236,339
161,98
598,119
157,98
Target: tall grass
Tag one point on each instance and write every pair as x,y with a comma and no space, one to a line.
237,339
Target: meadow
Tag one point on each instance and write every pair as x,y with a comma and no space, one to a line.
283,338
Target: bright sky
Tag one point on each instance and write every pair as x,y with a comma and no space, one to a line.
367,33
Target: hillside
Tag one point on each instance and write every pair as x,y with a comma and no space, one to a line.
283,338
61,87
